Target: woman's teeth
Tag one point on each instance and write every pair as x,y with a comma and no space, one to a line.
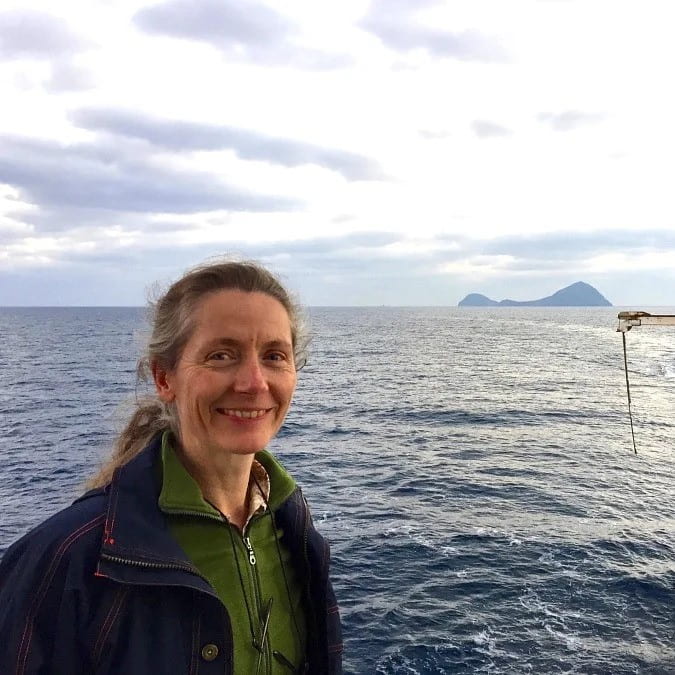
248,414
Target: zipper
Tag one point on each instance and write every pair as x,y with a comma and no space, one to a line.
257,592
144,564
249,549
250,553
153,565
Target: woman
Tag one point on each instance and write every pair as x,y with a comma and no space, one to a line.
194,552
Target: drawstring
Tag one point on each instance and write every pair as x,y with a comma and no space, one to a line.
279,656
266,623
260,644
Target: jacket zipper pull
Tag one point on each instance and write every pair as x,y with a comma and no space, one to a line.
249,548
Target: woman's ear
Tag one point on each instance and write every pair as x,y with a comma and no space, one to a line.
162,383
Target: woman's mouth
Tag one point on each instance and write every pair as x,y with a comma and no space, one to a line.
243,413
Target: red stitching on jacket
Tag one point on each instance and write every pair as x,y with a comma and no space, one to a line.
110,619
334,649
332,610
112,510
44,586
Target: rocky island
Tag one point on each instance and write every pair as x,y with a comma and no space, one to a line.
579,294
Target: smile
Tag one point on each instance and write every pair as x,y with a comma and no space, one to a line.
247,414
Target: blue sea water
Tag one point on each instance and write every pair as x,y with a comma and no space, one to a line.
472,469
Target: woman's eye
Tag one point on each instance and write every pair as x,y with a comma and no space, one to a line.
220,356
277,356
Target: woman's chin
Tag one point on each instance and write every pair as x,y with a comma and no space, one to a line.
245,447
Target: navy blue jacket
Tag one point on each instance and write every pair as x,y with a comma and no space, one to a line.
102,587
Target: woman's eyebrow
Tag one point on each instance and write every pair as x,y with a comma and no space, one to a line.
281,344
233,342
219,342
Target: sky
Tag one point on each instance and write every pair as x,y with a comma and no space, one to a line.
370,152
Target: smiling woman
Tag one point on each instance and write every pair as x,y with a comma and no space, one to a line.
190,502
235,378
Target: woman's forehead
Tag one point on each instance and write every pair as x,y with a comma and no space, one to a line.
239,315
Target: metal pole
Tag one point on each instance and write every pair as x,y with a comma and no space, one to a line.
630,413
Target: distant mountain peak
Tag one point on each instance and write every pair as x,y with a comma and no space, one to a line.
578,294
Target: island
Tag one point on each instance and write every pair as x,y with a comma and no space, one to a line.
579,294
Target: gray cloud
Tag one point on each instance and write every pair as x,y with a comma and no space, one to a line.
563,257
250,145
67,76
362,255
62,179
347,269
559,252
563,247
28,34
10,233
569,119
353,256
486,129
241,29
92,276
393,22
31,34
356,260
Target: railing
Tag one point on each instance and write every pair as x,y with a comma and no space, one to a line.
628,320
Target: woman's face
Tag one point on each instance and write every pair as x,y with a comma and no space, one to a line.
234,381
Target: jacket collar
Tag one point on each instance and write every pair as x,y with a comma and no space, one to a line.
180,493
137,546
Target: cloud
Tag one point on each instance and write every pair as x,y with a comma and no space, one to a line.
393,22
353,244
560,249
250,145
11,230
485,129
64,179
364,267
66,76
570,119
240,29
31,34
89,274
27,34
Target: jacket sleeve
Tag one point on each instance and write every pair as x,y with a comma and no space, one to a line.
38,615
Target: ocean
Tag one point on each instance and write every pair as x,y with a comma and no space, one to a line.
472,469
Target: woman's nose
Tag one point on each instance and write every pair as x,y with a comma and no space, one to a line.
250,376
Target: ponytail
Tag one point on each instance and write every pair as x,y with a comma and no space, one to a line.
150,418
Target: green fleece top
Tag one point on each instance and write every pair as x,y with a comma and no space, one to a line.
244,583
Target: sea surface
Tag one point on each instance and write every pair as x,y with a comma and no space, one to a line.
472,469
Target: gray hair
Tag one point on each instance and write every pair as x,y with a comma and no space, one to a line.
172,320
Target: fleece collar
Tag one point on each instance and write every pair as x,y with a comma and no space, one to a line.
180,493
